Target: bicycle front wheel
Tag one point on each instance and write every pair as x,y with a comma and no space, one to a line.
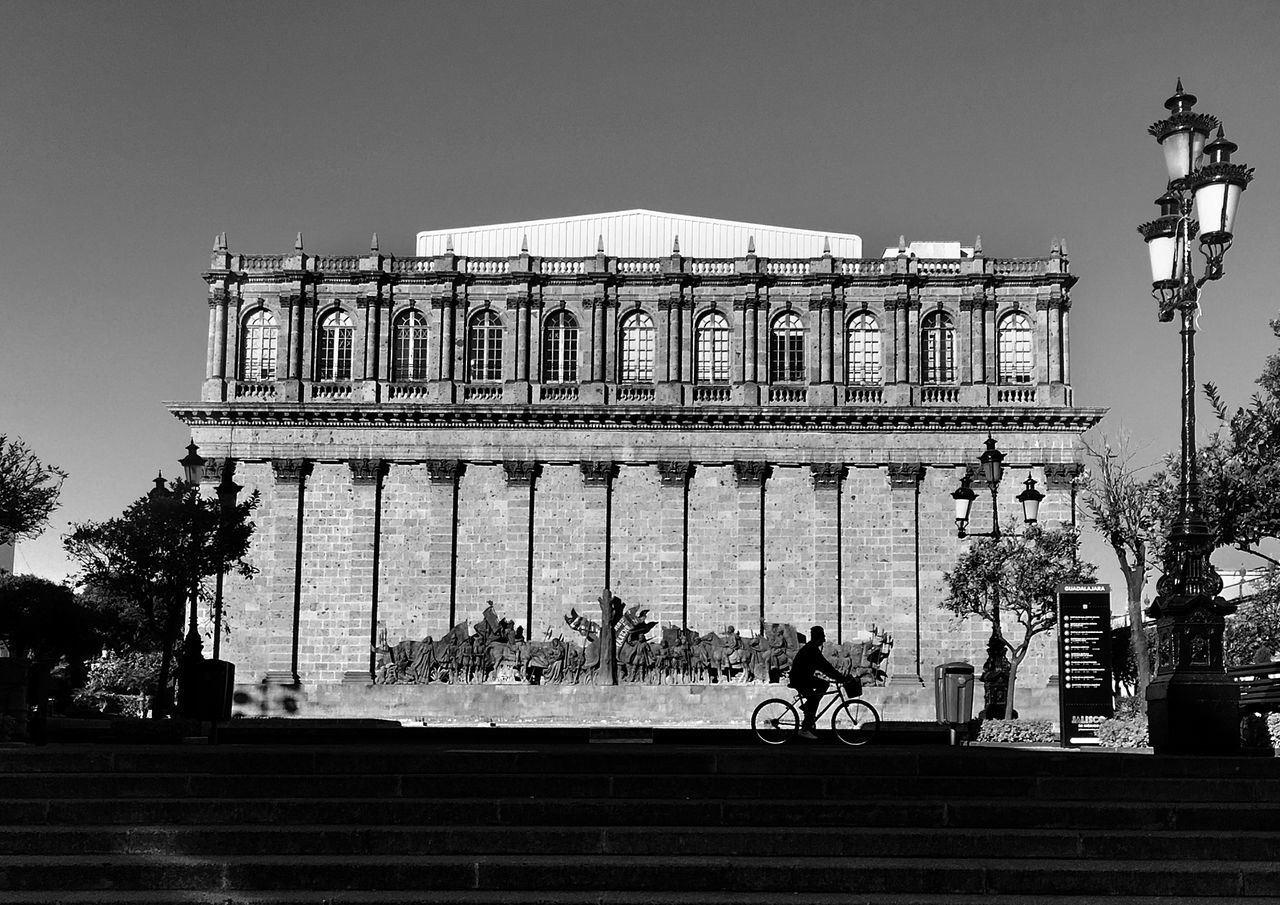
855,722
775,721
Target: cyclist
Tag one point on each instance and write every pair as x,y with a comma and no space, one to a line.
804,678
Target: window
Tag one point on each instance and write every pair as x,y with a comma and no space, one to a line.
786,350
938,342
484,348
560,348
409,347
637,348
1014,360
713,349
862,351
258,346
337,335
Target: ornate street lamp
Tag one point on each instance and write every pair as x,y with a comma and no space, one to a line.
1192,706
192,468
991,467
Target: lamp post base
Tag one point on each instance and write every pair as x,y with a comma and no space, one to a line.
1193,713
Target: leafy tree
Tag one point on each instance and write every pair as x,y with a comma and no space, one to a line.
1254,629
43,621
1240,466
157,555
1011,582
1132,513
28,491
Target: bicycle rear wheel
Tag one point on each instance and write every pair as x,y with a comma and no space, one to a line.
855,722
775,721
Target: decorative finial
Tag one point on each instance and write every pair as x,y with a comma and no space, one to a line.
373,243
600,244
524,244
751,245
826,245
297,243
977,245
902,244
448,244
1178,90
675,245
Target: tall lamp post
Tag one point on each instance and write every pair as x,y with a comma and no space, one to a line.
1192,706
228,490
991,467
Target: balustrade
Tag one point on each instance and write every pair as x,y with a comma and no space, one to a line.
939,395
789,395
713,267
482,392
331,263
563,266
413,265
254,389
632,393
863,395
639,266
332,390
485,265
262,262
558,392
786,268
1016,395
712,393
407,392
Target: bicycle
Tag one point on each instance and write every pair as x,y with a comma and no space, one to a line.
854,721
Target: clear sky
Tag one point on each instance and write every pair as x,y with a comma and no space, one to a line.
132,133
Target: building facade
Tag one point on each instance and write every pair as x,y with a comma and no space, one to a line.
729,424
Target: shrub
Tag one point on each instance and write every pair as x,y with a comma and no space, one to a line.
1038,732
120,683
8,727
1124,731
1273,729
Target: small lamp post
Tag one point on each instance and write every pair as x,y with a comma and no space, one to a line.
192,468
991,467
228,490
1192,705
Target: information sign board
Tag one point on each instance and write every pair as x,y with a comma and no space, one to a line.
1084,661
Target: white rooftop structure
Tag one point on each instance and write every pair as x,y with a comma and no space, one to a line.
933,251
636,234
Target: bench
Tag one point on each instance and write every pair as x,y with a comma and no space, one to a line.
1259,686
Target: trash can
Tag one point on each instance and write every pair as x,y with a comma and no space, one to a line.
953,693
215,683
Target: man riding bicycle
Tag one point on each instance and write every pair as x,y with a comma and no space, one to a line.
804,678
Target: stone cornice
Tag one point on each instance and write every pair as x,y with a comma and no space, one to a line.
957,419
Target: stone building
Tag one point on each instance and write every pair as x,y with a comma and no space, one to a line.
727,423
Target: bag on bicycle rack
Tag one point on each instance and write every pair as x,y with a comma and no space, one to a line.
853,687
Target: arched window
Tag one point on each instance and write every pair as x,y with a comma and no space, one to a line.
258,346
713,349
1014,361
337,335
938,342
637,348
862,350
560,348
786,349
484,347
409,347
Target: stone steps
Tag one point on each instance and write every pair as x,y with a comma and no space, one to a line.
913,842
777,874
360,825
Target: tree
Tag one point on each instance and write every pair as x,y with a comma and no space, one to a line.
158,554
1012,582
1253,631
1132,513
43,621
1240,466
28,491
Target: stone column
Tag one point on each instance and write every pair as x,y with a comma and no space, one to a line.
1055,341
285,578
362,614
827,478
904,342
442,532
815,342
904,483
604,340
209,367
517,552
1042,341
750,478
915,353
989,372
449,338
747,333
306,335
964,363
662,344
673,583
686,338
889,340
829,336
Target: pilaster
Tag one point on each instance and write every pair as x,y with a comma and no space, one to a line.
904,484
517,552
750,478
285,577
361,614
827,479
